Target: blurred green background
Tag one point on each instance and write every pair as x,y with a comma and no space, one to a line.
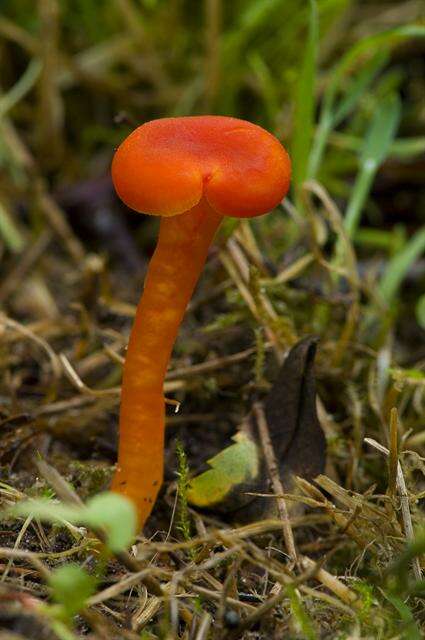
340,82
77,75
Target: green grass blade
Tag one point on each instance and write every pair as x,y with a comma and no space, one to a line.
304,102
266,85
366,48
359,85
330,117
391,241
376,45
9,232
300,615
408,147
257,13
400,264
409,628
402,148
358,198
376,147
21,87
382,131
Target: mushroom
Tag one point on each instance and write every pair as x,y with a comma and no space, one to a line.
191,171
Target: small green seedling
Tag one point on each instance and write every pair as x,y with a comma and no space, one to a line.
71,588
109,512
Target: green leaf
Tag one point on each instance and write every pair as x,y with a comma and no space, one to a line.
71,587
113,513
232,466
48,510
116,515
304,102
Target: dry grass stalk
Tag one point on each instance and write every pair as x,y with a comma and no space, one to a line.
273,470
404,502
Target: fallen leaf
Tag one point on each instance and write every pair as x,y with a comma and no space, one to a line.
297,438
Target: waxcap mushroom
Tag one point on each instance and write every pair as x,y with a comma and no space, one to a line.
191,171
166,166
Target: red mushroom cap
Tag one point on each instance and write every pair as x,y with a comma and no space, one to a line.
166,166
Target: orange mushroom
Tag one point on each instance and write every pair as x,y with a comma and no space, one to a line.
192,171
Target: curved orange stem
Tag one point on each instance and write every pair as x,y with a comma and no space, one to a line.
172,275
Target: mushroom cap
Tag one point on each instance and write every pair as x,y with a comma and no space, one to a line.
166,166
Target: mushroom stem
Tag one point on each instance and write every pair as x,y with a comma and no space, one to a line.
172,275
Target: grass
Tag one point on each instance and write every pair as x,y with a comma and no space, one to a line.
340,82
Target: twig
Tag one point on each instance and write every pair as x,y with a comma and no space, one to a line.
273,469
119,587
76,381
285,583
331,582
230,267
26,263
211,365
204,626
57,220
404,502
258,614
33,558
232,536
24,331
16,546
216,597
393,453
